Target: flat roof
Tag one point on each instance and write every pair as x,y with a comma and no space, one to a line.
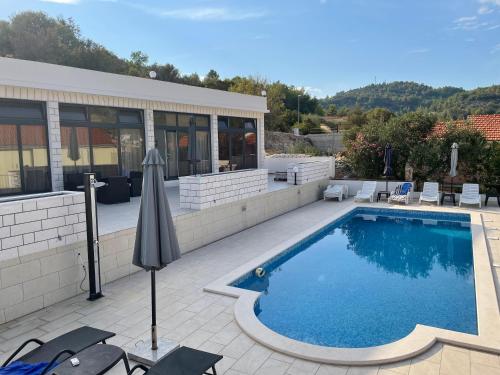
32,74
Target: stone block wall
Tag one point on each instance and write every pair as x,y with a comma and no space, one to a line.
308,172
200,192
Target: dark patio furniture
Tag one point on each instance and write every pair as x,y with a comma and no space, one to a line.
493,191
61,347
96,360
135,181
117,190
183,361
280,176
385,193
448,195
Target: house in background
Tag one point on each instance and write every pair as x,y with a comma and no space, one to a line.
57,122
489,125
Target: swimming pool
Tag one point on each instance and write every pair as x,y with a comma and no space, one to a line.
369,278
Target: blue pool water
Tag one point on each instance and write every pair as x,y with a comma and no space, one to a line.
369,277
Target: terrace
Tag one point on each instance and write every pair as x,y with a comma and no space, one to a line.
205,321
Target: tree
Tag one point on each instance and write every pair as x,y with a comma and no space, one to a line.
138,64
357,117
331,110
379,115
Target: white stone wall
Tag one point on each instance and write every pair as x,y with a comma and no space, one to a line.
200,192
31,225
308,172
149,129
279,162
261,142
54,131
40,279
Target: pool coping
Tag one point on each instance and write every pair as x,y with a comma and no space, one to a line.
418,341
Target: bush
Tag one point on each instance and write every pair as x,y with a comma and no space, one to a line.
303,147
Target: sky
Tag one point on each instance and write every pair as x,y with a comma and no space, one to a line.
325,46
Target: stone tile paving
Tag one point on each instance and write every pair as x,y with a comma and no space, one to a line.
205,321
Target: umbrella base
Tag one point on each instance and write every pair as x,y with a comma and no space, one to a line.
142,352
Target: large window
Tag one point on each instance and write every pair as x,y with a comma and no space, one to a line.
107,141
24,154
237,143
184,142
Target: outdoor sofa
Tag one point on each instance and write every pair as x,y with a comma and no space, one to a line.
116,190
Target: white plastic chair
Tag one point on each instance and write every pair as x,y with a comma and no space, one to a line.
470,195
397,197
336,191
367,191
430,193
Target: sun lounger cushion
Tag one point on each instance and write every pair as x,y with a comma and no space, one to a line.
21,368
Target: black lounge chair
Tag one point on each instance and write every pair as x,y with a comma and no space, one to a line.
183,361
61,347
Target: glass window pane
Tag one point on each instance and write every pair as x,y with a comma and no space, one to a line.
103,115
172,154
202,152
224,152
236,123
75,155
72,113
161,146
202,121
237,151
12,109
10,177
130,117
105,151
249,123
184,120
223,122
35,158
132,150
183,154
165,118
250,150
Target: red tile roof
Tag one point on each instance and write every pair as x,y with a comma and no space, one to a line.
489,125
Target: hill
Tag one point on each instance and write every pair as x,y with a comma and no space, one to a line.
395,96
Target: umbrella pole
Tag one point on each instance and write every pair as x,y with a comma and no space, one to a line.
154,335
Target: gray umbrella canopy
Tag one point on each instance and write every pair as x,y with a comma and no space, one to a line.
156,243
73,147
454,160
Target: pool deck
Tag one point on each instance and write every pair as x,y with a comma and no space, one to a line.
206,321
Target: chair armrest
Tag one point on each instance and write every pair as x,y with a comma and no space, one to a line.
139,366
53,362
16,352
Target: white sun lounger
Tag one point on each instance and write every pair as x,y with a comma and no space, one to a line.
401,194
430,193
336,191
367,191
470,195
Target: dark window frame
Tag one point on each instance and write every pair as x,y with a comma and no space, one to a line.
243,131
191,130
18,122
97,125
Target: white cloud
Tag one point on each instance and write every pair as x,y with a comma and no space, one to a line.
495,49
208,14
322,1
314,91
62,1
483,9
417,51
494,27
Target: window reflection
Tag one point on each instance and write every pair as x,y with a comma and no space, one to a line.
10,177
105,151
132,153
35,158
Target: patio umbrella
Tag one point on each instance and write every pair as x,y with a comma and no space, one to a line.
453,163
73,147
387,164
155,242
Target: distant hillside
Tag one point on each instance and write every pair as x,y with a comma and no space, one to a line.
485,100
395,96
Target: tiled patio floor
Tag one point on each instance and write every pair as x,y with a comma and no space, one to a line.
205,321
115,217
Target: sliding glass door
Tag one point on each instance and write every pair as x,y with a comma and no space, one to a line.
184,142
237,143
